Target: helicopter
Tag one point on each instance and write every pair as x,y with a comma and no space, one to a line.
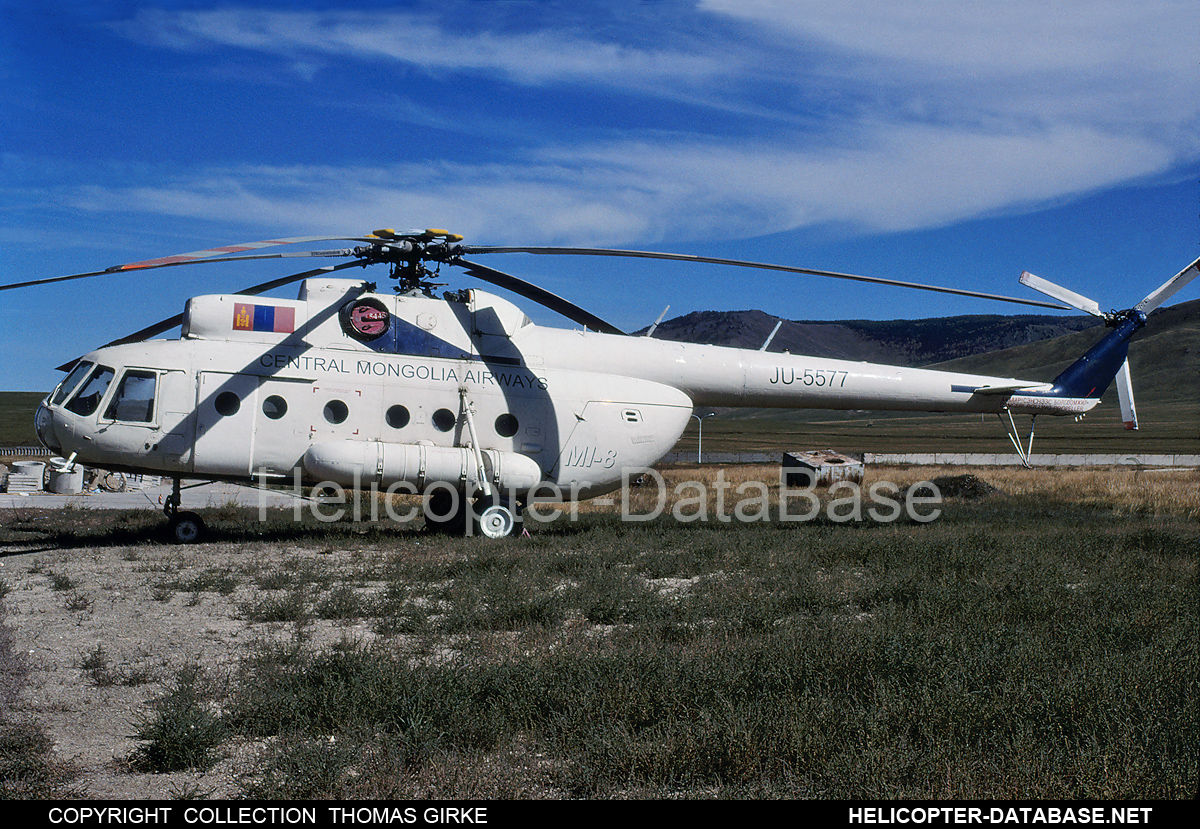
461,398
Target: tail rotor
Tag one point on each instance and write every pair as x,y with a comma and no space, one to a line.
1114,319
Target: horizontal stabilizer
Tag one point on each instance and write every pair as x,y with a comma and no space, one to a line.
1004,388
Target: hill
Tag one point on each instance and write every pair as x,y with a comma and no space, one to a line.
1164,356
16,417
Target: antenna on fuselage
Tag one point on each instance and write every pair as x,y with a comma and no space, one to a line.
770,336
650,332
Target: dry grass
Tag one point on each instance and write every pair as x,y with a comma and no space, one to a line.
1123,490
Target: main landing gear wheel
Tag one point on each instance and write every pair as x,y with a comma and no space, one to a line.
446,512
490,516
186,528
496,517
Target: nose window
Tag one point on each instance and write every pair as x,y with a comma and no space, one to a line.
87,399
68,385
134,400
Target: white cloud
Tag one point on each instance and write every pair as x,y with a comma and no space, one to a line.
1113,60
1016,37
616,193
533,57
914,115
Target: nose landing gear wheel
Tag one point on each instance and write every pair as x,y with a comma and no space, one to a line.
186,528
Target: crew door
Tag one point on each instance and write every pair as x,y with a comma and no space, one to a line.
226,406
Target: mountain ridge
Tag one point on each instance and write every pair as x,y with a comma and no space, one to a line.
893,342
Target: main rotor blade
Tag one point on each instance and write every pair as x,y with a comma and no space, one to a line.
709,260
177,320
214,255
1059,292
51,279
539,295
1169,288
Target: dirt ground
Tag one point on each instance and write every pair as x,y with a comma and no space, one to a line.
114,601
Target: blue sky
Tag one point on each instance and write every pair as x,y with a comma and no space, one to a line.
949,141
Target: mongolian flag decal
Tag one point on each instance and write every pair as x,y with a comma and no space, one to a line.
250,317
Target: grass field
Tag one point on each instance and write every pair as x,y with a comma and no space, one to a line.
1038,641
1164,428
16,417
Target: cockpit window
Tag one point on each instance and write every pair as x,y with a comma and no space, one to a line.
68,385
134,400
88,397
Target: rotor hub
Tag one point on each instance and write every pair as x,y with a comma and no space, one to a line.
1114,319
407,254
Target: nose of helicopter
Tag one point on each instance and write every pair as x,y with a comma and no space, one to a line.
43,424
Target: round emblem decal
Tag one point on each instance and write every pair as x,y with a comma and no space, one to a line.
365,319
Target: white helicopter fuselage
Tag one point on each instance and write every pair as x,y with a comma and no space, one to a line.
360,388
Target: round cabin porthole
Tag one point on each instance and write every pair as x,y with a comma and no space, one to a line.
227,404
506,425
443,420
336,412
274,407
397,416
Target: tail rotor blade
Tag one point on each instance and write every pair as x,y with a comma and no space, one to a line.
1073,299
1169,288
1125,397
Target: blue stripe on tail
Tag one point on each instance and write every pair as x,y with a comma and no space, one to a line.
1091,374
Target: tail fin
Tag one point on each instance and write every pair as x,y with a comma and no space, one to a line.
1091,375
